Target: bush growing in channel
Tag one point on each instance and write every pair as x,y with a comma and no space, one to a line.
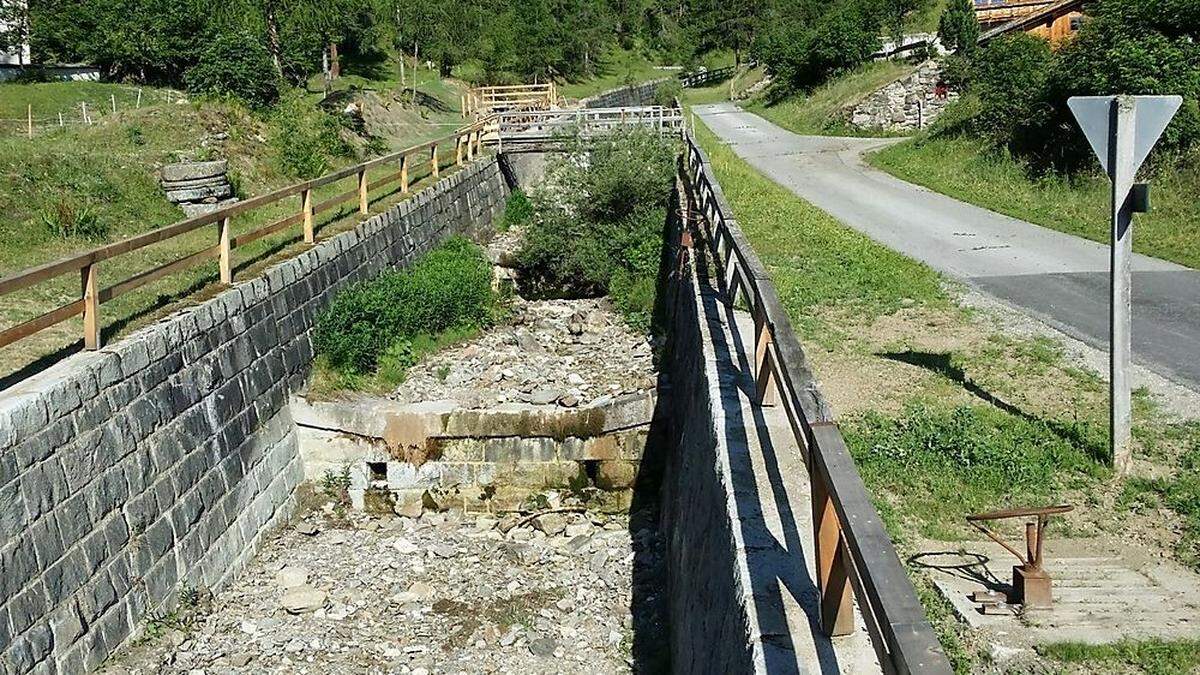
596,228
450,288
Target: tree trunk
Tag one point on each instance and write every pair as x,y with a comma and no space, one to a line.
335,64
273,37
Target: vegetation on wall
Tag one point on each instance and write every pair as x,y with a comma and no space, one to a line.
596,226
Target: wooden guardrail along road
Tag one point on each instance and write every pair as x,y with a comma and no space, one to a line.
467,142
855,557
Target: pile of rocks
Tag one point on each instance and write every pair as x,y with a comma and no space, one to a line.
910,103
568,352
444,593
198,187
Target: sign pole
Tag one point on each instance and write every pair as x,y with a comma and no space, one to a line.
1121,131
1122,170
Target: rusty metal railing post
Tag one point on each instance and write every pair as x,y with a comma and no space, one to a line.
833,580
91,306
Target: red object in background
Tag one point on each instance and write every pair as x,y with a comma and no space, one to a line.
940,90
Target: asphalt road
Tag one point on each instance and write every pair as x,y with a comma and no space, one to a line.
1059,278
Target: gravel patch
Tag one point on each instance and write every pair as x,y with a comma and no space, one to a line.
448,593
569,352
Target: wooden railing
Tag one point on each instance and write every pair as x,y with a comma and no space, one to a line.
487,100
538,125
703,78
468,141
853,551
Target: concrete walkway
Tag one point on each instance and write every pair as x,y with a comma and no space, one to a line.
1056,277
773,499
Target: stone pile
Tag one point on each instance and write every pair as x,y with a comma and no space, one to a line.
910,103
198,187
442,593
569,352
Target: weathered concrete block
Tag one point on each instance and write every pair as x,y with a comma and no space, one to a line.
185,171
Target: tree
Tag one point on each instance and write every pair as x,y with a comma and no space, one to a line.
958,28
14,28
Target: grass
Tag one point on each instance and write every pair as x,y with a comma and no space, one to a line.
963,168
1156,657
1179,492
616,68
106,173
821,112
328,382
814,260
48,99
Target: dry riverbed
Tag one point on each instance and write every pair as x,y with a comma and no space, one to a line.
446,593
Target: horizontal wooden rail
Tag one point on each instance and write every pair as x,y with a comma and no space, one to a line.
495,98
538,125
704,78
855,557
467,140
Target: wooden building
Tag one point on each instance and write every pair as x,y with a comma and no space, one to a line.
1055,20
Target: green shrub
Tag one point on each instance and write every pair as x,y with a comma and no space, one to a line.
306,138
598,228
957,27
518,211
449,288
668,92
1008,77
236,65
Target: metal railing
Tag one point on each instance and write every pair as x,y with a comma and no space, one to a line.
541,125
467,142
854,553
499,98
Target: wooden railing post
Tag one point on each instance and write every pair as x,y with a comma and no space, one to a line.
470,146
833,580
362,192
226,254
91,306
404,174
433,160
309,235
764,373
458,151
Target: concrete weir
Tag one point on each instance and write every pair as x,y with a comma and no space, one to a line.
164,461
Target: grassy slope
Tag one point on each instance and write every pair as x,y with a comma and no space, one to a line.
973,435
963,169
621,67
820,111
109,170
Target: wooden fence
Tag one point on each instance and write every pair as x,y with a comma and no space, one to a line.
703,78
487,100
468,141
541,125
853,551
36,119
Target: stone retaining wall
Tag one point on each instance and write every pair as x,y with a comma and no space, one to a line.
711,622
158,462
907,104
625,97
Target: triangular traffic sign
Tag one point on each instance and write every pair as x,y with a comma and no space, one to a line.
1152,114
